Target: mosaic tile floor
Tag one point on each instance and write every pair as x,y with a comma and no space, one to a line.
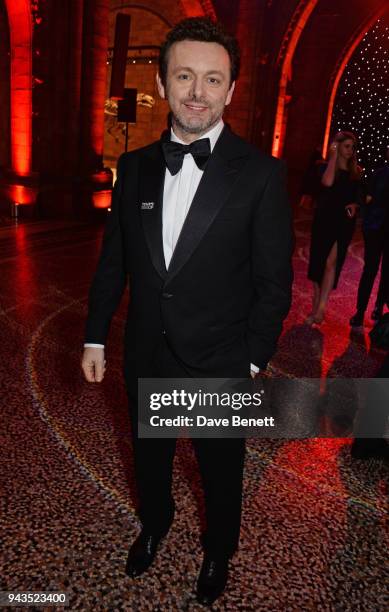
313,533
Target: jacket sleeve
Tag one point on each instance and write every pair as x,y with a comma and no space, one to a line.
272,247
110,277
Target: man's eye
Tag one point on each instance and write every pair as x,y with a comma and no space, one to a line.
183,77
213,80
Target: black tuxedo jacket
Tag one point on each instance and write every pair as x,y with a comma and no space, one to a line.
221,303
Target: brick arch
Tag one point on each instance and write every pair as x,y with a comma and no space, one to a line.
292,36
289,43
20,28
184,8
341,66
324,45
161,16
150,7
151,20
196,8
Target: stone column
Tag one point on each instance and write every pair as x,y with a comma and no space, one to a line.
93,84
93,91
242,112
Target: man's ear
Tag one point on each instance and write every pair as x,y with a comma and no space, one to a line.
230,92
160,87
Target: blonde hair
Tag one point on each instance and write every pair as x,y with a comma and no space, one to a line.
353,168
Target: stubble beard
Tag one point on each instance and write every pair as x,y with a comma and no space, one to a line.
194,129
197,128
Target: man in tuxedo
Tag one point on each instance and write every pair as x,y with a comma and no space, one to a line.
201,227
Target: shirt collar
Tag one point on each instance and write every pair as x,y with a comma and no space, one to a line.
213,134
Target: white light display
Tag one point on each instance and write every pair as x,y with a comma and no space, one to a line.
362,102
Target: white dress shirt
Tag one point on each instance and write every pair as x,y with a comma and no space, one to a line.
179,191
178,194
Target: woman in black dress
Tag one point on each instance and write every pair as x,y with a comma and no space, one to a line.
337,201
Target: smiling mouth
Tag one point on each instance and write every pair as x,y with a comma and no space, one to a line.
196,108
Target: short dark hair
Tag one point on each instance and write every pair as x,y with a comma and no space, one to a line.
202,29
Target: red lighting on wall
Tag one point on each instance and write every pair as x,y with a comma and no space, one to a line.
286,71
102,199
21,194
20,26
197,8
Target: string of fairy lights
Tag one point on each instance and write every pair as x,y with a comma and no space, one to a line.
362,102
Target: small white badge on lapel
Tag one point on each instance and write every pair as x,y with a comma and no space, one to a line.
147,206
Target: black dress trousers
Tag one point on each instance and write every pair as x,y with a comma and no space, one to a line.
374,246
220,460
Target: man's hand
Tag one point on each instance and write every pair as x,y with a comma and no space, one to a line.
93,364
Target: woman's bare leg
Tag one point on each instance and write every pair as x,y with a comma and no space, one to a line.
327,283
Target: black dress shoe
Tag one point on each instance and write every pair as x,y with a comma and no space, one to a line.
377,313
212,579
357,320
367,448
142,553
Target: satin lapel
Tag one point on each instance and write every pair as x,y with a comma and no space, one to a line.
213,190
151,182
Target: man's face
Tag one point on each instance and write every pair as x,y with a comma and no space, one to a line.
197,86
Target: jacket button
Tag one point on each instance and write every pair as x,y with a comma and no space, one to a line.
164,332
167,296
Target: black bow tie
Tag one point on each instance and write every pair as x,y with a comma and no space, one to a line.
174,153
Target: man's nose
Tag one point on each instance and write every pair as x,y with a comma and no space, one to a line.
197,90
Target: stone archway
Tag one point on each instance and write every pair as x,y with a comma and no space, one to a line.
340,68
324,44
195,8
150,22
290,41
